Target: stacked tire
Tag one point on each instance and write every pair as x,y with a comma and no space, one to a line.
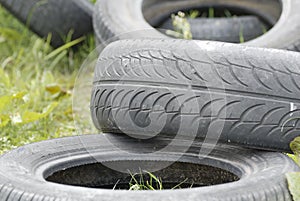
213,113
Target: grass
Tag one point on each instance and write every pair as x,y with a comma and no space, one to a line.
36,84
138,182
293,178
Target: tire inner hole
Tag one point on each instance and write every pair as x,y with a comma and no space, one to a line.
182,175
238,31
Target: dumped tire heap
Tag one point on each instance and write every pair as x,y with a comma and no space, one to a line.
212,114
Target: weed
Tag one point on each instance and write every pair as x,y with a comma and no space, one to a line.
153,183
181,26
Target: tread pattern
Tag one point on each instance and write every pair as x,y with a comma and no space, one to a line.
9,193
245,90
245,69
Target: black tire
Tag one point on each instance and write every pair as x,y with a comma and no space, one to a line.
175,87
53,16
114,18
96,161
222,29
87,6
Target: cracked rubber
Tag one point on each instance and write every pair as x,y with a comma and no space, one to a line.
23,171
58,17
132,19
222,29
204,90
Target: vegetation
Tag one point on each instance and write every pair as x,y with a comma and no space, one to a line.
293,178
153,183
36,84
182,28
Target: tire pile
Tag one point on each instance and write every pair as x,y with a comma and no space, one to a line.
216,114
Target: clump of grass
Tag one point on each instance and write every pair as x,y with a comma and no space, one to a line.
153,183
36,83
182,28
293,178
295,147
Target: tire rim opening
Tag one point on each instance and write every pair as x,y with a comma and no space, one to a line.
177,175
208,21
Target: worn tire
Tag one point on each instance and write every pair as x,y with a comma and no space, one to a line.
114,18
227,92
94,161
53,16
222,29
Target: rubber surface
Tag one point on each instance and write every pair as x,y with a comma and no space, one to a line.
222,29
87,6
23,171
167,87
114,18
58,17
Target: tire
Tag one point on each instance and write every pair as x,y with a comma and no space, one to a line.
204,90
87,6
222,29
53,16
41,171
113,19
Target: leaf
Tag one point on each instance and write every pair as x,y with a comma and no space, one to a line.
64,47
4,120
19,95
9,33
293,179
28,117
53,89
294,157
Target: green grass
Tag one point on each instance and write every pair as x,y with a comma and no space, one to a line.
138,182
36,84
